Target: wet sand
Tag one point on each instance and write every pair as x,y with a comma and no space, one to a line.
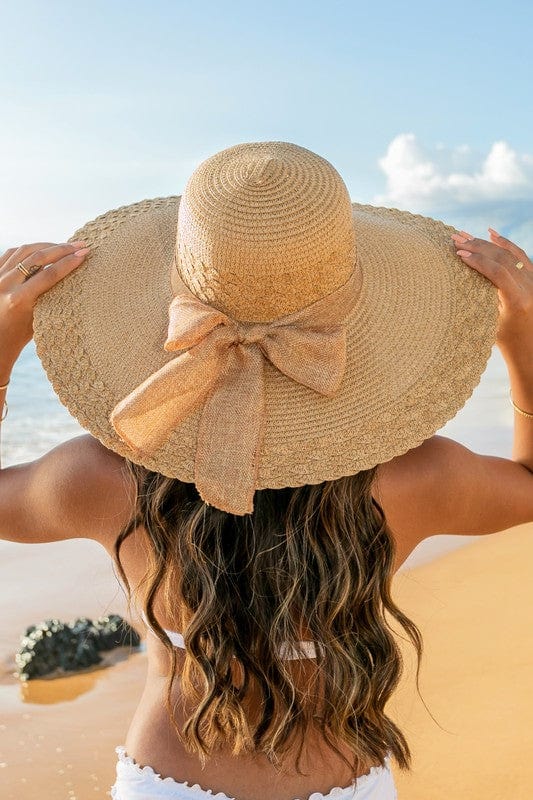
57,737
472,604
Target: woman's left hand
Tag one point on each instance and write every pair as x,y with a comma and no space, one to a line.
19,293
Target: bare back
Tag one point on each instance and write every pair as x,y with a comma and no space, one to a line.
81,489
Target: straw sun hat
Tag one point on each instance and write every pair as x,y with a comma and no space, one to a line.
261,330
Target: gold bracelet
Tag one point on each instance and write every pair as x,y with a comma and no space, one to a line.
520,410
4,405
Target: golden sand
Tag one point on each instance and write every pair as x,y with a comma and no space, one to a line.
473,606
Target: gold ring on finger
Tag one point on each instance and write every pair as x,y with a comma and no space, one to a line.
28,271
519,264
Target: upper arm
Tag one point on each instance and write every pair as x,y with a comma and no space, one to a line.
442,487
77,490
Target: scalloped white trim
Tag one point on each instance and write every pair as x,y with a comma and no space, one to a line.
337,791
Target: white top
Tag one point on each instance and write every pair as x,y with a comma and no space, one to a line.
287,651
134,782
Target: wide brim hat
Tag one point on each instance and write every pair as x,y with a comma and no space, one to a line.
418,334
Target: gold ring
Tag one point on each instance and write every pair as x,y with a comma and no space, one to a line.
519,265
28,271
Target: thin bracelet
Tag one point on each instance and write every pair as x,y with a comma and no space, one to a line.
4,406
520,410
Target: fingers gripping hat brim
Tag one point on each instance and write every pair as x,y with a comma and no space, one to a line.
418,341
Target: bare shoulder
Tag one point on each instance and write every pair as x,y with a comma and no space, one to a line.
96,490
442,487
404,488
87,452
79,489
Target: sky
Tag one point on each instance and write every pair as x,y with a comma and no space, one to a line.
424,106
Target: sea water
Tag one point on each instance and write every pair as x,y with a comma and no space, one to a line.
36,420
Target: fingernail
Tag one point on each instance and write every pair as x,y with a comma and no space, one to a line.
495,232
82,252
463,253
460,239
77,244
469,236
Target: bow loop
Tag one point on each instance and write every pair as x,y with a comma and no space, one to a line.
222,371
316,360
190,321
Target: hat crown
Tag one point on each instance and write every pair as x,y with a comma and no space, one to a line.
264,229
265,170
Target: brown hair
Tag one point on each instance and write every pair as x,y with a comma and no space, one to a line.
239,585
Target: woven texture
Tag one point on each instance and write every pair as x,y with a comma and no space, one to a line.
222,372
264,229
417,340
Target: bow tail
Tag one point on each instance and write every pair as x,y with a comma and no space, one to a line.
146,417
230,433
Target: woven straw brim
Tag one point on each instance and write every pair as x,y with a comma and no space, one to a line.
418,342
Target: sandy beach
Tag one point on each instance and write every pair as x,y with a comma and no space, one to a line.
472,603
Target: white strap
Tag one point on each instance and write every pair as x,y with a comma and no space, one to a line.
287,651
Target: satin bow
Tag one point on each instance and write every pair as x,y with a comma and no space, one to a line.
222,370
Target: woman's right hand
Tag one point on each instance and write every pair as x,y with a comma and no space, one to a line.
497,261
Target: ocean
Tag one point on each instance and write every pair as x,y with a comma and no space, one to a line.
36,420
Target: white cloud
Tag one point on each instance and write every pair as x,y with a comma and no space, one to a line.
459,185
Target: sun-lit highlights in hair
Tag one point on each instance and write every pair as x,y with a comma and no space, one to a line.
237,587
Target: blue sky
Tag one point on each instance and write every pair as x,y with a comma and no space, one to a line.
424,106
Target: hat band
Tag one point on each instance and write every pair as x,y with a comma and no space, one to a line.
222,369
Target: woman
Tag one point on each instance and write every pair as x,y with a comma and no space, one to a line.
259,489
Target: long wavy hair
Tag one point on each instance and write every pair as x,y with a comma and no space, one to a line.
239,587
